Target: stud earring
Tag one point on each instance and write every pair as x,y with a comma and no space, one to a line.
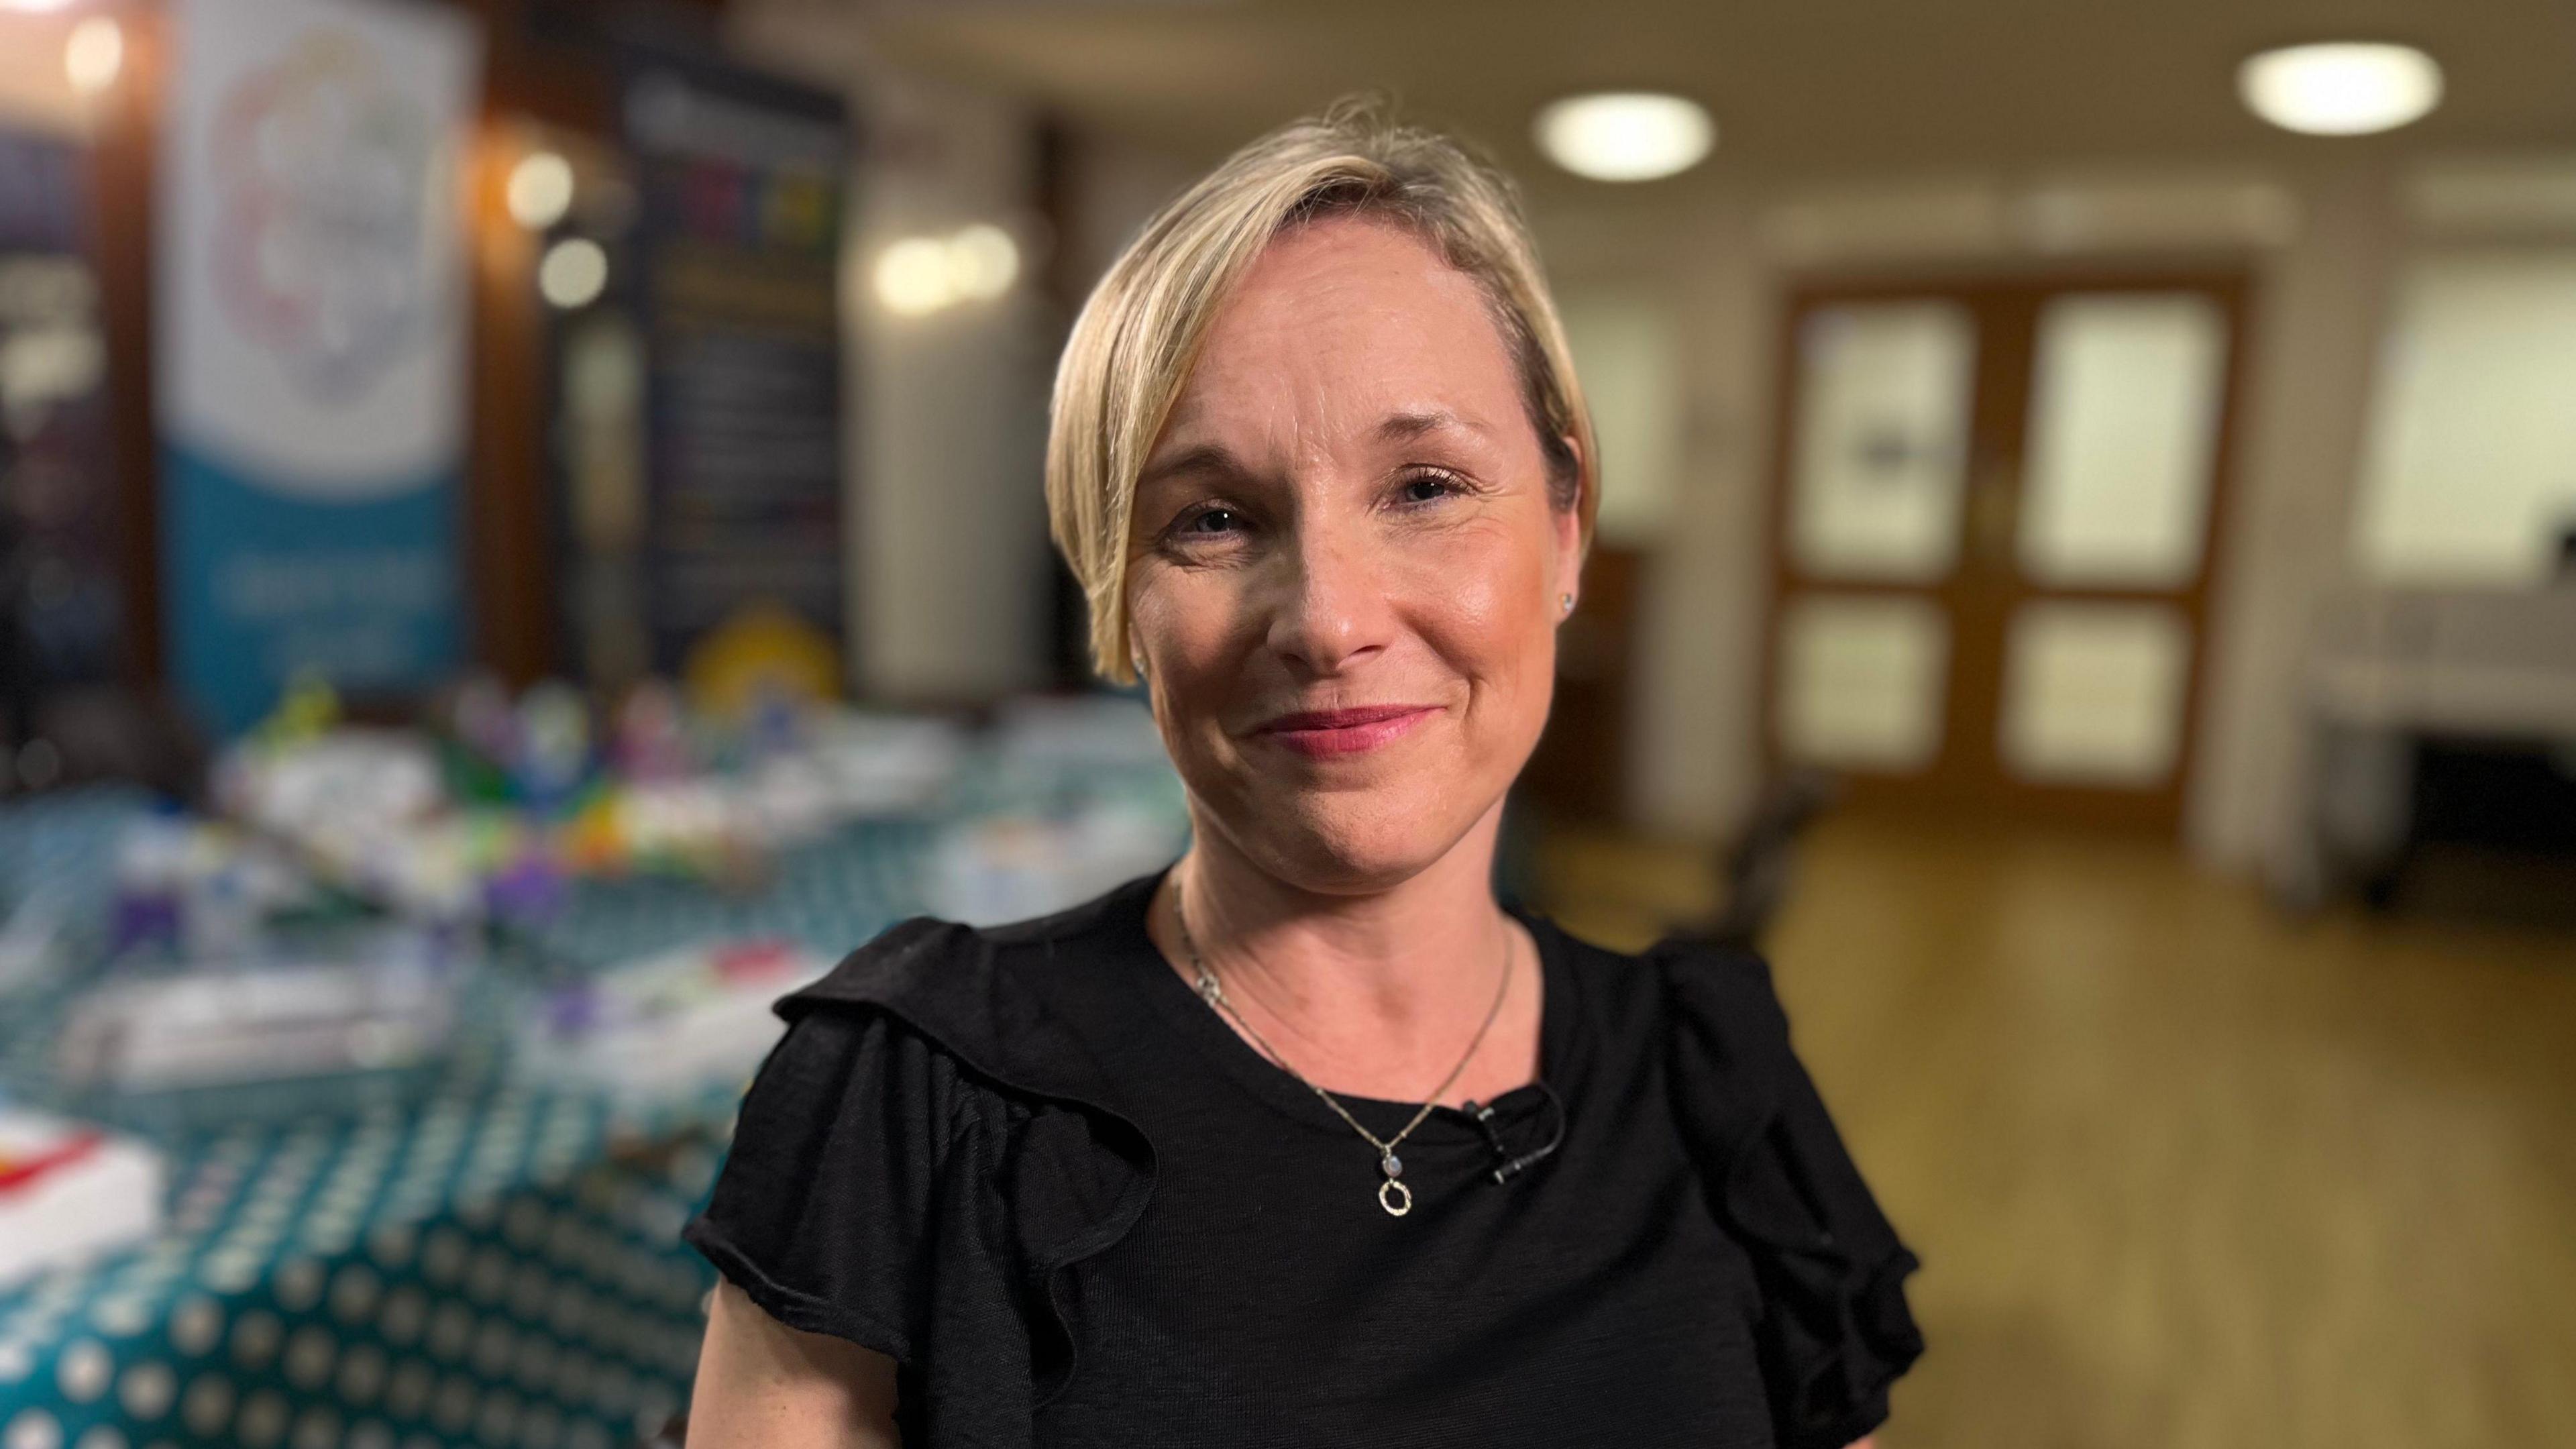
1565,603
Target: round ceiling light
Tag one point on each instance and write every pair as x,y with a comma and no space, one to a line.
913,279
982,261
2346,88
93,54
573,272
1625,135
539,190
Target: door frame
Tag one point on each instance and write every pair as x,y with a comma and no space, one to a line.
1999,417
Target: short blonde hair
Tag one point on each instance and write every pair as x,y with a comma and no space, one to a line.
1138,336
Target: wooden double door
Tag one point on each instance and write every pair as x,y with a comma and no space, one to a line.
1996,510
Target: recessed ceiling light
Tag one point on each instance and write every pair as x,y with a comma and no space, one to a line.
924,274
540,190
912,277
1625,135
93,54
573,272
2346,88
982,261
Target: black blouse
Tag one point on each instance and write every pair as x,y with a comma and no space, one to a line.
1076,1209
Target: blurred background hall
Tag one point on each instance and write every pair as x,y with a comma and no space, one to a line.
520,539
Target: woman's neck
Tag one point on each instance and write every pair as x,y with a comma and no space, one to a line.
1373,993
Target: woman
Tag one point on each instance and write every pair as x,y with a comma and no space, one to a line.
1305,1140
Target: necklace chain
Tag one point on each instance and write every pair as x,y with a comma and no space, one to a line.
1392,1194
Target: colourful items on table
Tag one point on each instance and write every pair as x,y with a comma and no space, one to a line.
672,1024
197,888
1014,867
31,939
364,809
761,658
554,745
70,1192
652,739
307,709
497,818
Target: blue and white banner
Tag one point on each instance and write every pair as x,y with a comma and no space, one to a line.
310,362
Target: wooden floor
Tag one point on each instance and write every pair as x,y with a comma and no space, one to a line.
2184,1172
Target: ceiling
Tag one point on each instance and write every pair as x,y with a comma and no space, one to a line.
1799,87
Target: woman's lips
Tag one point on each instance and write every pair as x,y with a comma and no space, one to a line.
1345,731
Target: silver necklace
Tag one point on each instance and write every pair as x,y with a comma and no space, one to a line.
1392,1194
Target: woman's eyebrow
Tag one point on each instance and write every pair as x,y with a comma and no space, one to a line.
1197,458
1413,423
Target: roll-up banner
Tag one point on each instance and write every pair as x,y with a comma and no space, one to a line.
311,349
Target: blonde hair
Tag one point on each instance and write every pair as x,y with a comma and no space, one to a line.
1138,336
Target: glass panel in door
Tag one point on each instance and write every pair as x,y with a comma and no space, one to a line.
2125,394
1881,440
2093,693
1863,681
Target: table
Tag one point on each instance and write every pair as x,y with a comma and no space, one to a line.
496,1269
484,1263
2394,674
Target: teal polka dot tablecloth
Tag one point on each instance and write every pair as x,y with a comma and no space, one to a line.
501,1268
477,1262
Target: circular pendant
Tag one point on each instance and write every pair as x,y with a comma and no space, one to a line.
1395,1197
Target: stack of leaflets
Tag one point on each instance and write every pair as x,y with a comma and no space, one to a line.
263,1023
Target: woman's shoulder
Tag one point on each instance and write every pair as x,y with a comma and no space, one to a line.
1703,988
926,1090
985,995
1785,1184
1724,991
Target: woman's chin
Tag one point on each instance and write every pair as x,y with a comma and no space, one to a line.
1347,843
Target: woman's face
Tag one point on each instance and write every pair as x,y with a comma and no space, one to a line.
1344,563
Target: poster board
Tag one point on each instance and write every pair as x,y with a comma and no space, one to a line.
310,347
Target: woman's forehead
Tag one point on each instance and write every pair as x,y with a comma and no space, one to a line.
1351,325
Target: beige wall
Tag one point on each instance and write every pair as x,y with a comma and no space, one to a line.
1693,738
2472,449
953,582
2316,322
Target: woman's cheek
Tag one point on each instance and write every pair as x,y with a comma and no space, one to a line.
1160,617
1486,616
1184,625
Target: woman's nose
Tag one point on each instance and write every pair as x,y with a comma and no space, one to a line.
1332,608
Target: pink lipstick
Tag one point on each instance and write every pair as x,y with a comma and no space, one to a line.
1318,733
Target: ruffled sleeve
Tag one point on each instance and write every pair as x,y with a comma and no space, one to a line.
862,1198
1835,1331
918,1162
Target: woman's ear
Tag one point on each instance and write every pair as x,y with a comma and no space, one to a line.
1568,522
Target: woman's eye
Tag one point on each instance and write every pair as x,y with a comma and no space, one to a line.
1212,520
1427,488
